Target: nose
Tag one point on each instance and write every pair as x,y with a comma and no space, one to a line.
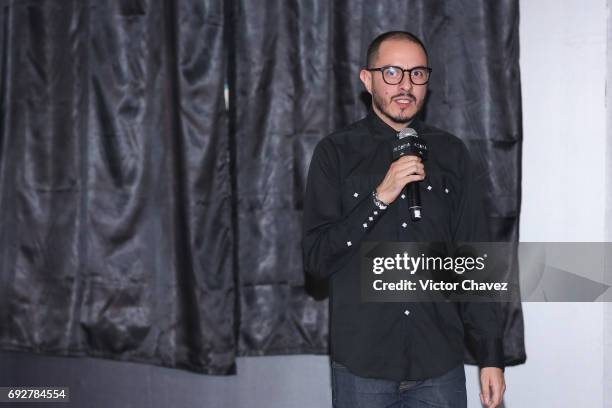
406,84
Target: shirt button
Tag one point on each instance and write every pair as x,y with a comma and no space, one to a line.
375,212
356,194
349,243
365,225
429,188
406,312
370,218
446,190
403,196
404,225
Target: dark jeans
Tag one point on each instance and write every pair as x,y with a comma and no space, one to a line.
351,391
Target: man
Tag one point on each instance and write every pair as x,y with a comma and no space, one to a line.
396,354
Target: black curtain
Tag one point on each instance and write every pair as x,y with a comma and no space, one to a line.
115,223
141,220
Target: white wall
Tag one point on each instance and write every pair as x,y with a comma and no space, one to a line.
608,306
564,119
565,144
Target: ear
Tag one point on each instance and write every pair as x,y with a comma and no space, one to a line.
366,78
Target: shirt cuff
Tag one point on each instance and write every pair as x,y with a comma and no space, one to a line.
490,352
360,221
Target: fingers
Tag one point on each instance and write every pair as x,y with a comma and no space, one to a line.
413,170
408,159
410,178
405,162
485,396
497,393
485,386
412,165
406,174
493,389
405,170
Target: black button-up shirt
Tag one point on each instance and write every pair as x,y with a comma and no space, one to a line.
395,341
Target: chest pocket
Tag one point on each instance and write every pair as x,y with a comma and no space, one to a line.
357,188
439,196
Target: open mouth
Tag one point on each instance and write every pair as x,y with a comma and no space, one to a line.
403,102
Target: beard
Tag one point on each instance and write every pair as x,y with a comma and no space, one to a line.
403,117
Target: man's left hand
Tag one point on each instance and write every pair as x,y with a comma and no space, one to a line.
492,385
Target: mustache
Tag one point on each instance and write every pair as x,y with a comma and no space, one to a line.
404,95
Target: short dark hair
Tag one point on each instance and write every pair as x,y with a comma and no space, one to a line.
391,35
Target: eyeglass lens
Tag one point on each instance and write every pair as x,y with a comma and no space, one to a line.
395,75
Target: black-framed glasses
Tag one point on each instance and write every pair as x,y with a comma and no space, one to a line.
393,75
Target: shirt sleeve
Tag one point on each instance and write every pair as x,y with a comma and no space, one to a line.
329,237
482,321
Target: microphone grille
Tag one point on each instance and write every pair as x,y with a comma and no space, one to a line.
406,132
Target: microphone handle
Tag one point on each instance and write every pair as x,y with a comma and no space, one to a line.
413,195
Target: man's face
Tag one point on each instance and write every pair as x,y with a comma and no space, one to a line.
397,104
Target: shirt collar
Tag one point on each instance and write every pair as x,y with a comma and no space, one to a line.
385,132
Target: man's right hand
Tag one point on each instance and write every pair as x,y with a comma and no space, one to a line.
403,171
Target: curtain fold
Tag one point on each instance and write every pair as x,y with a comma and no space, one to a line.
280,52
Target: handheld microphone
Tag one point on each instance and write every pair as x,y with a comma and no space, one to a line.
409,143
